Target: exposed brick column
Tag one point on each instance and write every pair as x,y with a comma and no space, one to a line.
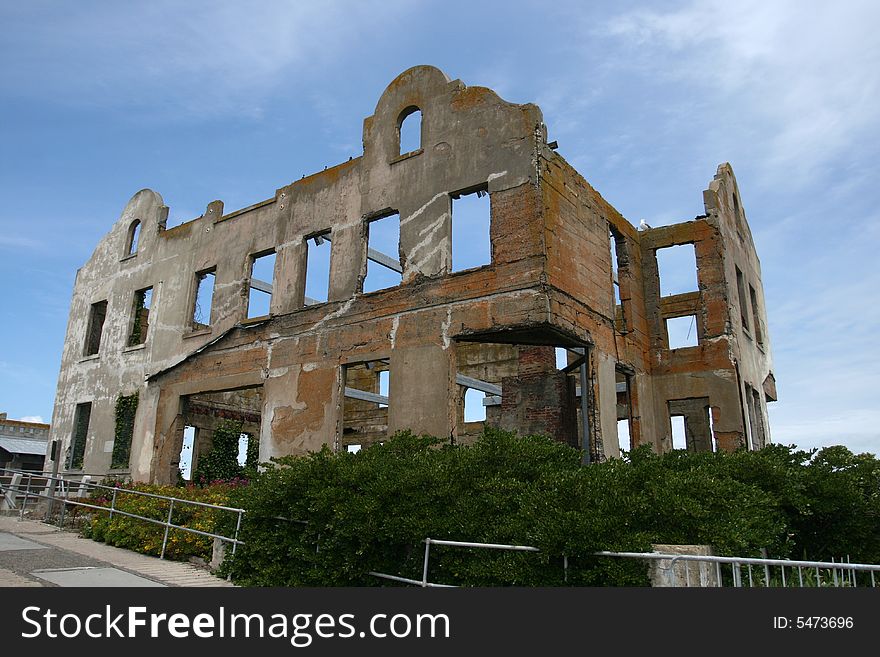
540,400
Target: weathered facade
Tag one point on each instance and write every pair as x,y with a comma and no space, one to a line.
563,269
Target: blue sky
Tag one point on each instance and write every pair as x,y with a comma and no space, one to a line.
231,100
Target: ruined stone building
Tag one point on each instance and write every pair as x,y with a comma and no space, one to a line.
172,330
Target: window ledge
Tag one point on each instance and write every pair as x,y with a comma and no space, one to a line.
406,156
747,333
136,347
128,257
198,332
255,320
90,357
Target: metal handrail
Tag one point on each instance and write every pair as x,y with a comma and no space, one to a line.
116,490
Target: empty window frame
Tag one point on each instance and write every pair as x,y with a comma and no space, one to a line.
677,269
353,449
187,452
691,425
471,220
617,244
80,435
260,284
756,316
682,332
679,431
140,316
623,389
126,410
248,450
317,268
203,299
97,315
132,238
383,249
365,410
741,295
409,130
474,410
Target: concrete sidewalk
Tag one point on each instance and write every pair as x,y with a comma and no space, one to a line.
36,554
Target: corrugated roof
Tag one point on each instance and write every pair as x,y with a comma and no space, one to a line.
23,445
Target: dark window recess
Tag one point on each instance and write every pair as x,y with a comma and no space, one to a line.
756,316
97,315
126,409
741,295
383,249
140,322
677,269
134,232
204,297
471,220
80,435
317,269
261,285
410,130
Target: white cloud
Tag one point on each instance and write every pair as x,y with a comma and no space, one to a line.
205,59
802,76
32,418
7,241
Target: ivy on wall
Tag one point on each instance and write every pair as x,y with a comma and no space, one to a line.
126,409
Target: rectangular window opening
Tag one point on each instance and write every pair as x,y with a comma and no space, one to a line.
616,244
682,332
471,220
383,253
756,316
623,438
244,440
623,383
204,298
353,449
365,409
317,269
679,432
741,294
187,452
97,315
677,269
261,281
561,358
80,435
140,320
474,410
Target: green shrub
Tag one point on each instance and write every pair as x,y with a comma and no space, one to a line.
146,537
330,519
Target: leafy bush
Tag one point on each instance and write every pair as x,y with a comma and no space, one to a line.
146,537
221,463
330,519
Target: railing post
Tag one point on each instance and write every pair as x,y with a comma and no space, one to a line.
167,528
237,528
27,496
113,503
425,567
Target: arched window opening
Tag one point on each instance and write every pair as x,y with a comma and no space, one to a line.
410,130
134,232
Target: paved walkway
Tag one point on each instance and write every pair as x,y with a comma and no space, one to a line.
36,554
